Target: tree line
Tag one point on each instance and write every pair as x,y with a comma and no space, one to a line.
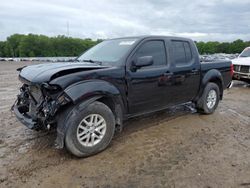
234,47
32,45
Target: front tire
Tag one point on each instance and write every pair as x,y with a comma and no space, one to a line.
209,99
90,130
246,81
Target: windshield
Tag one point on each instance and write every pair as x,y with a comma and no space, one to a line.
108,51
245,53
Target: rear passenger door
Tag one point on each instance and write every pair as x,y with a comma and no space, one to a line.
186,71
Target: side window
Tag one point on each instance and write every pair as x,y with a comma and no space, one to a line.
188,51
156,49
179,52
182,52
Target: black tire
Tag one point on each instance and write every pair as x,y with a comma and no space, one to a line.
72,143
202,104
245,80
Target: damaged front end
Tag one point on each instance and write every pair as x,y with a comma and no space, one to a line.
36,105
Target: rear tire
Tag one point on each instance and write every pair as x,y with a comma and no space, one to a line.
90,130
209,99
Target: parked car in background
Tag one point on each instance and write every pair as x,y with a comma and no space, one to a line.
242,66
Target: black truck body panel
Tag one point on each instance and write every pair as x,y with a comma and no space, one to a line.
134,91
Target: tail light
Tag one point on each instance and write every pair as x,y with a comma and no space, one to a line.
231,70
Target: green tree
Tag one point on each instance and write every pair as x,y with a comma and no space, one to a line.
32,45
2,45
7,50
237,46
224,47
13,42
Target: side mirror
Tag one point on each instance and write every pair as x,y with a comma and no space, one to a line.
144,61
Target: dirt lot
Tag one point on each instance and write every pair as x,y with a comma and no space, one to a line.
174,148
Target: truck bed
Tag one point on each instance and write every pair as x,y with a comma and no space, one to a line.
222,65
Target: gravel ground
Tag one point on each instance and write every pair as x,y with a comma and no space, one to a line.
172,148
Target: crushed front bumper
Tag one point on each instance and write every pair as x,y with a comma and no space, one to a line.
23,117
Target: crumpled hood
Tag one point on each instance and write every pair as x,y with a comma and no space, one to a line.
241,61
48,71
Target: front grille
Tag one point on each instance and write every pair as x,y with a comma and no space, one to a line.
244,69
236,68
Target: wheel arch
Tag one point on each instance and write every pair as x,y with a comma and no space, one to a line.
82,95
213,76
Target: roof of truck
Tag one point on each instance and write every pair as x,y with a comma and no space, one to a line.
152,36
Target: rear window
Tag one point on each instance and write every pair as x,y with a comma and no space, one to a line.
182,52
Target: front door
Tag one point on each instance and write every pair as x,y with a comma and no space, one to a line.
146,85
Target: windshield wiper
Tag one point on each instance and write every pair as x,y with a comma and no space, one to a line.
91,61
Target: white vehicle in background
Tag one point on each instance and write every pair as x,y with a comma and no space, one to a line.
242,66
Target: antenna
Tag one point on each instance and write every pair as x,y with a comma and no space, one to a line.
67,28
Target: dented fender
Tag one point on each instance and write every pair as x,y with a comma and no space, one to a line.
81,90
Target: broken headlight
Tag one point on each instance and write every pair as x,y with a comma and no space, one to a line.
63,99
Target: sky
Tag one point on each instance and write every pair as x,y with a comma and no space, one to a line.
201,20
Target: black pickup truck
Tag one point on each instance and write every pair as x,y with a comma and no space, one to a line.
87,100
